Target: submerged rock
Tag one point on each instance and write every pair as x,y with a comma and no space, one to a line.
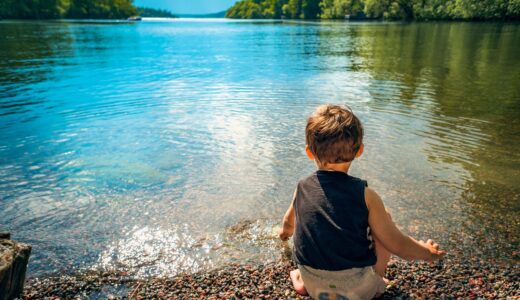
14,258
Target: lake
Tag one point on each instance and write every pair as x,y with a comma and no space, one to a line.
166,146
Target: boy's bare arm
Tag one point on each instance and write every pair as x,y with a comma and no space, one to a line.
392,238
287,229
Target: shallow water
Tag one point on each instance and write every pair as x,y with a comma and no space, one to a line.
168,146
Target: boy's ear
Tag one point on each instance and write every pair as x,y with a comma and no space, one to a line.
309,153
360,151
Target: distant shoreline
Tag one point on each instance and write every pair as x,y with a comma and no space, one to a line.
142,12
295,21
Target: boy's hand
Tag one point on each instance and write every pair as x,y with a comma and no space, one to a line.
285,233
287,229
433,247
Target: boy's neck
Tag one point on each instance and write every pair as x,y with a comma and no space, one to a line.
340,167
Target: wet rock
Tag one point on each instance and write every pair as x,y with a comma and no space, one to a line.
14,258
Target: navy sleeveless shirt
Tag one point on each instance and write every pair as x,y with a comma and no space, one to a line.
332,230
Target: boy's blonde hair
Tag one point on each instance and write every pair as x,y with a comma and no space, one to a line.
334,134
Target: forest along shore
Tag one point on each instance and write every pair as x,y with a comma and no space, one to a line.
453,278
77,9
376,9
74,9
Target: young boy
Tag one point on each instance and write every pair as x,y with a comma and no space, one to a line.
337,220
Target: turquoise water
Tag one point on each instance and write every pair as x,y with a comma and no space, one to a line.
167,146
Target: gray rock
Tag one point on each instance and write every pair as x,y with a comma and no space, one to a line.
14,258
5,235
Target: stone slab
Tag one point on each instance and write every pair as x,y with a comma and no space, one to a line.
14,258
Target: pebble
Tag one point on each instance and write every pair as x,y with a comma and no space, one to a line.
458,278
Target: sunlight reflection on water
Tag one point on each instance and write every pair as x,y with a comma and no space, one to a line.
164,147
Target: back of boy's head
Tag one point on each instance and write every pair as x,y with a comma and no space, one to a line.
334,134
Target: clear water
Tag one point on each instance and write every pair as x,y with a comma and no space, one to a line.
168,146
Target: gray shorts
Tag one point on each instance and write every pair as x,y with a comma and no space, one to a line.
351,284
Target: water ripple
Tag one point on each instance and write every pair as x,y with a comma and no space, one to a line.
162,147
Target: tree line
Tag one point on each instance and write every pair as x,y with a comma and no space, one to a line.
55,9
377,9
148,12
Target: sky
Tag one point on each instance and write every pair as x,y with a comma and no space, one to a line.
188,6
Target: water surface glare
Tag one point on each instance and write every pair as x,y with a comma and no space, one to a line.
168,146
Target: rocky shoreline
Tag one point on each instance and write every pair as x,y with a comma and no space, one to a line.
454,278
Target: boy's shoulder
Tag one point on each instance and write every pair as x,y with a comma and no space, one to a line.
309,178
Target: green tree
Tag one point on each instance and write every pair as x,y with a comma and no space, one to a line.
33,9
481,9
338,9
97,9
432,9
388,9
513,9
327,9
245,9
272,9
292,9
310,9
